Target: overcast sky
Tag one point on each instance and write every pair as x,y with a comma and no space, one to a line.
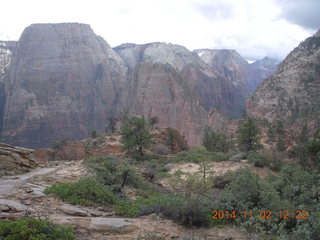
255,28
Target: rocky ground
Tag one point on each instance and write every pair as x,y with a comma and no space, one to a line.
23,195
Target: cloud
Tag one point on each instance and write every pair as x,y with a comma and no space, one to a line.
254,28
305,13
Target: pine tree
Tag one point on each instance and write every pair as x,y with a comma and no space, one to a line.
171,138
135,137
215,142
249,136
281,144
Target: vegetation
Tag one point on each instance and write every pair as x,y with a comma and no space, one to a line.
33,229
308,153
171,138
84,192
215,142
94,134
58,145
153,121
191,199
135,137
249,136
112,124
112,172
198,154
265,159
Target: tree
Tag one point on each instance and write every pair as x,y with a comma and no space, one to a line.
135,136
112,124
171,138
313,150
94,134
249,136
215,142
303,137
205,169
281,144
153,121
112,172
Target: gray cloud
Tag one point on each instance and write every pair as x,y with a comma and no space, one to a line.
305,13
216,10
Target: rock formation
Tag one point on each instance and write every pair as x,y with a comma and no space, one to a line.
292,94
7,49
64,81
15,160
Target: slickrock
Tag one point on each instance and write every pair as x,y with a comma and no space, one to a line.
110,225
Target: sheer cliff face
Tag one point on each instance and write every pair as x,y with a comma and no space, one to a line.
7,49
207,79
158,86
292,94
63,82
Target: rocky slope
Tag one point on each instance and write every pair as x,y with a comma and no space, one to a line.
292,94
233,67
63,82
260,70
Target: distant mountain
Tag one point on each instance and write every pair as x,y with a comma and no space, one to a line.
7,49
62,81
293,93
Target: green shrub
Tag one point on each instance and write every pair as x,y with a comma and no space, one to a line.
222,181
113,172
199,154
265,159
127,208
189,212
84,192
33,229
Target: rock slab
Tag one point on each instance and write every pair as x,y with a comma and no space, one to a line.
98,224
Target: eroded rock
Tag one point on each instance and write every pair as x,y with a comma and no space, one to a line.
98,224
16,160
73,211
13,206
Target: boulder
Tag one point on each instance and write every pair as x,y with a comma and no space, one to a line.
12,206
16,160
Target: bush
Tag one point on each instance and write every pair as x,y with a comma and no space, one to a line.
265,159
189,212
222,181
113,172
33,229
161,149
84,192
199,154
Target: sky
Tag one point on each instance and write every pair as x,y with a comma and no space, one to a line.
254,28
